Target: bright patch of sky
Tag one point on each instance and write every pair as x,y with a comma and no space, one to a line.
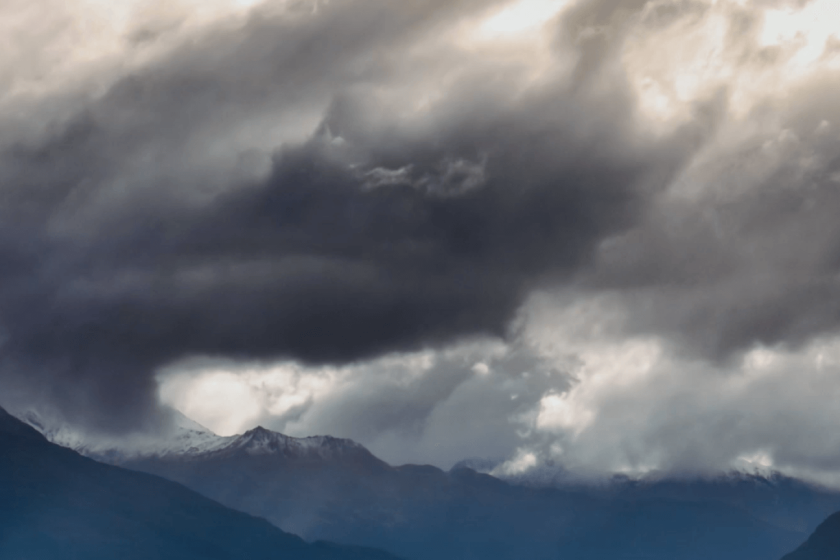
521,17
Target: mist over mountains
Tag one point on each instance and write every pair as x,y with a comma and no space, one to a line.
325,488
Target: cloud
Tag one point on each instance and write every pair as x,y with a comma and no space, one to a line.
741,251
704,334
160,222
355,192
424,407
637,405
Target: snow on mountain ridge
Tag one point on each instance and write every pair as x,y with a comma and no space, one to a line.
187,439
260,441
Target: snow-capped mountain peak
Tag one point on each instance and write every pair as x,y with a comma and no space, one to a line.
261,441
188,439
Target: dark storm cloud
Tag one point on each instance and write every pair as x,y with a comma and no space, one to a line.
123,253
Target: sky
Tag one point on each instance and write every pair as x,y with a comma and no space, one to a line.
599,234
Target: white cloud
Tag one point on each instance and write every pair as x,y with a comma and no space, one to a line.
522,16
678,53
429,406
637,406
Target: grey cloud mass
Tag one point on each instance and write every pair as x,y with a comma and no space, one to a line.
754,259
123,252
332,183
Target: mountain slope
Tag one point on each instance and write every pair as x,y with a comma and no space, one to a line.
328,488
772,497
335,489
779,500
185,437
824,544
55,503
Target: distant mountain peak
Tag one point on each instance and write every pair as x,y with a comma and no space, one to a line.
189,439
180,420
262,441
259,430
263,436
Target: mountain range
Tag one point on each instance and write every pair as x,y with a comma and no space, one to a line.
325,488
55,503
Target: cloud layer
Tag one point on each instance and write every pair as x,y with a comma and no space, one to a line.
349,186
128,247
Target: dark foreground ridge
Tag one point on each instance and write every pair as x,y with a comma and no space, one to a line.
54,503
824,544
